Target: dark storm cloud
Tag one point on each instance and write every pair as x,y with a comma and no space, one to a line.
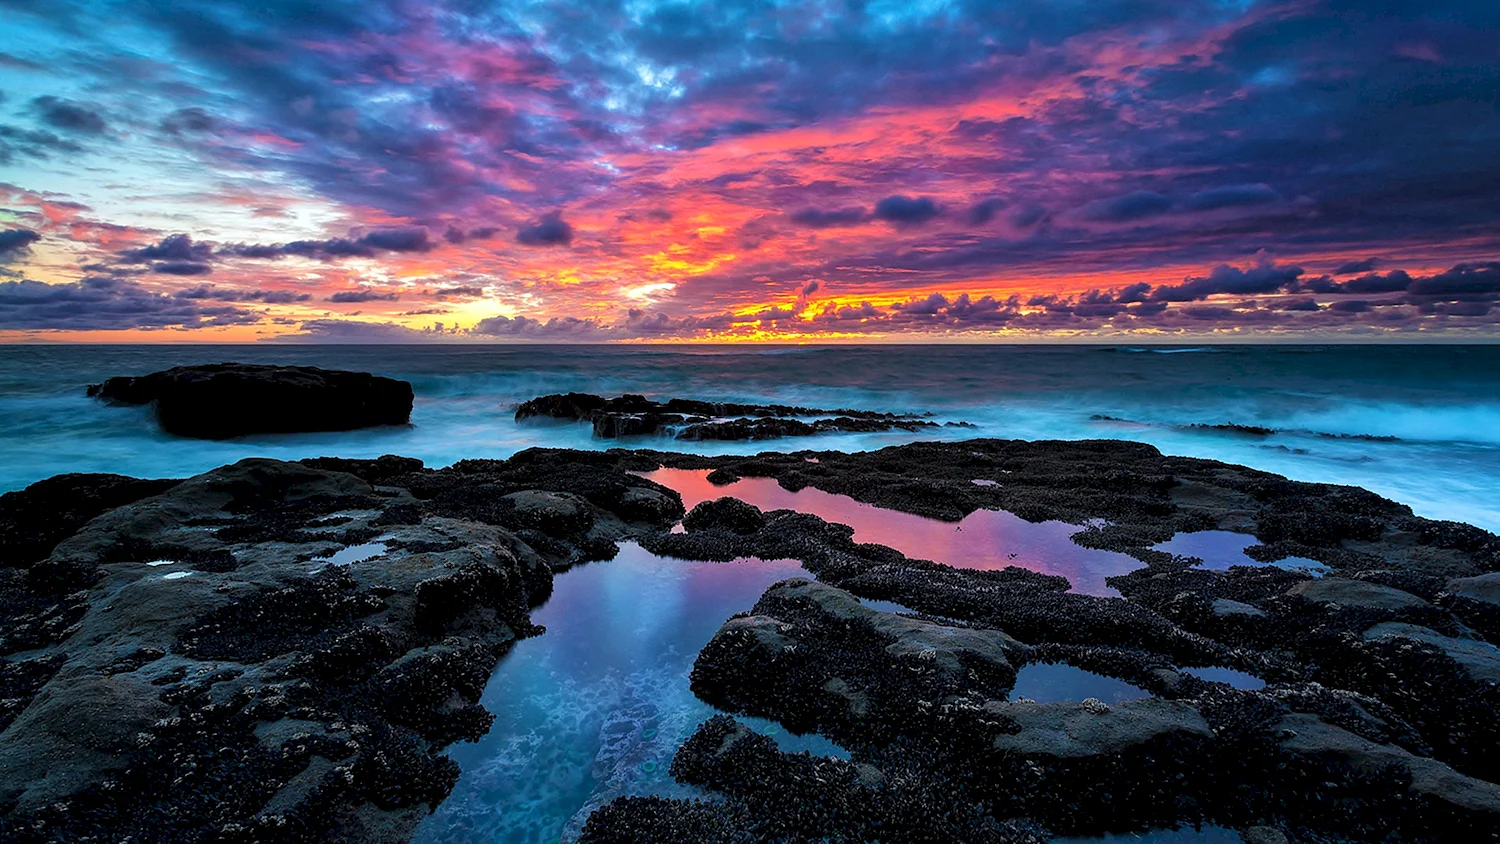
1027,216
16,142
906,211
640,323
550,230
456,235
350,296
1307,304
1353,267
367,245
188,121
521,326
1459,282
1265,277
176,247
1390,282
182,268
1462,280
985,210
16,242
465,292
818,218
67,116
1232,196
1130,207
227,294
103,303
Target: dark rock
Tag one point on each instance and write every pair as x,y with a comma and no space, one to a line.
730,513
378,471
446,599
219,401
649,820
33,520
1234,428
269,622
686,419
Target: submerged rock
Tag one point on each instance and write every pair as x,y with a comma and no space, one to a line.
219,401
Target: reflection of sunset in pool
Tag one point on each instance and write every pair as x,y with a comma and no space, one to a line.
985,539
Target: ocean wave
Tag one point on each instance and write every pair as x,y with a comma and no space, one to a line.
1143,350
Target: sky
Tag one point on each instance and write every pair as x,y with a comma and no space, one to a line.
484,171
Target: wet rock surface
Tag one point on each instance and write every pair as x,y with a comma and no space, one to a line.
273,695
192,665
1376,722
219,401
692,420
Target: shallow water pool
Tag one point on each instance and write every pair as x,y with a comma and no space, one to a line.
1052,682
985,539
595,708
351,554
1231,677
1221,549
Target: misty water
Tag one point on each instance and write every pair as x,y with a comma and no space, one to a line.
1328,404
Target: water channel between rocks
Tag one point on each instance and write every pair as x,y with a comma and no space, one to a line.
595,708
985,539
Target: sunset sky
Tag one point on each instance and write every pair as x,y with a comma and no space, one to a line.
474,170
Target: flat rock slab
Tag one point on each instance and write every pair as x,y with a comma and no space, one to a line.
1480,659
219,401
1079,730
1485,588
1356,593
1306,734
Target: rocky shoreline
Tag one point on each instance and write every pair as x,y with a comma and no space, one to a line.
275,694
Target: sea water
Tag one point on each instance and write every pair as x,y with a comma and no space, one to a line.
1419,424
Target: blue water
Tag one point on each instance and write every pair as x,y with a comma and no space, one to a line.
1221,550
1052,682
595,708
1443,402
1231,677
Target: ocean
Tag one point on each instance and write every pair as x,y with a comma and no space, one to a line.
1418,424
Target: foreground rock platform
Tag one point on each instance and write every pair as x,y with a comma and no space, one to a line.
220,401
693,420
197,663
187,661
